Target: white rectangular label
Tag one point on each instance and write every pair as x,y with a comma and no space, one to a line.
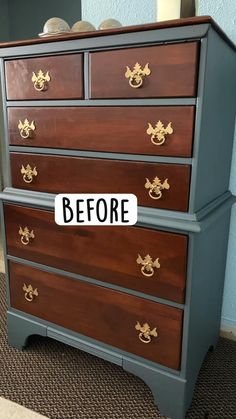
96,209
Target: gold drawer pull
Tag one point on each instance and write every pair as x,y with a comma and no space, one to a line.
146,333
41,80
30,293
26,235
28,173
137,75
26,128
156,187
159,132
148,265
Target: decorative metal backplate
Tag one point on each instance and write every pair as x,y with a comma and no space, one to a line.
28,173
148,265
136,76
146,333
156,187
30,292
26,128
26,235
159,132
40,80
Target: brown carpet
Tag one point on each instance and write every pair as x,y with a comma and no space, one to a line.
64,383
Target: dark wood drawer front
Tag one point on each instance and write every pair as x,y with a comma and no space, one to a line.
115,129
105,253
173,71
65,72
59,174
100,313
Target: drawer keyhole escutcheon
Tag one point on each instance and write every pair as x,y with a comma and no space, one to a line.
146,333
30,293
156,187
26,235
136,76
148,265
40,80
26,128
159,132
28,173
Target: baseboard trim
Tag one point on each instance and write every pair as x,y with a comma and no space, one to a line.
228,329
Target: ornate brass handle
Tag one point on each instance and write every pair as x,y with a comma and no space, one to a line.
146,333
26,128
136,76
156,187
28,173
30,293
148,265
40,80
159,132
26,235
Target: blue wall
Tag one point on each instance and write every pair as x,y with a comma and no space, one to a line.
22,19
127,12
27,17
4,30
224,12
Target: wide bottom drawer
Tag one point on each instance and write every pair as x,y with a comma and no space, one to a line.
108,253
136,325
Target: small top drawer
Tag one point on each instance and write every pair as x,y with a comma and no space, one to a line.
57,77
157,71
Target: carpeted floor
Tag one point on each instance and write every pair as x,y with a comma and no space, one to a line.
64,383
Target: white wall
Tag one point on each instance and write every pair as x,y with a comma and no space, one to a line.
128,12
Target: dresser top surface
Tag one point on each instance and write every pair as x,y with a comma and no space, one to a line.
198,20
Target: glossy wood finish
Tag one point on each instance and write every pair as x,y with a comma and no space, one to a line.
65,71
115,129
59,174
100,313
175,23
197,20
173,71
105,253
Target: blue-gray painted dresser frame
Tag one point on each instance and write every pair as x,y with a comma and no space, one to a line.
206,223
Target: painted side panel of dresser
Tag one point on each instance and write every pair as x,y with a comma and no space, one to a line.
207,259
216,124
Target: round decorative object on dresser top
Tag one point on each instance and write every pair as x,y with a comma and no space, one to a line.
109,24
82,26
55,26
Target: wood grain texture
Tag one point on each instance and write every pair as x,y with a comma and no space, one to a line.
105,253
175,23
173,71
65,71
59,174
114,129
197,20
100,313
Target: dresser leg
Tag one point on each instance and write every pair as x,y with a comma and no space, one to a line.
20,328
169,391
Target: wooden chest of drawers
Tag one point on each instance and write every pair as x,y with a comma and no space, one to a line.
147,110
